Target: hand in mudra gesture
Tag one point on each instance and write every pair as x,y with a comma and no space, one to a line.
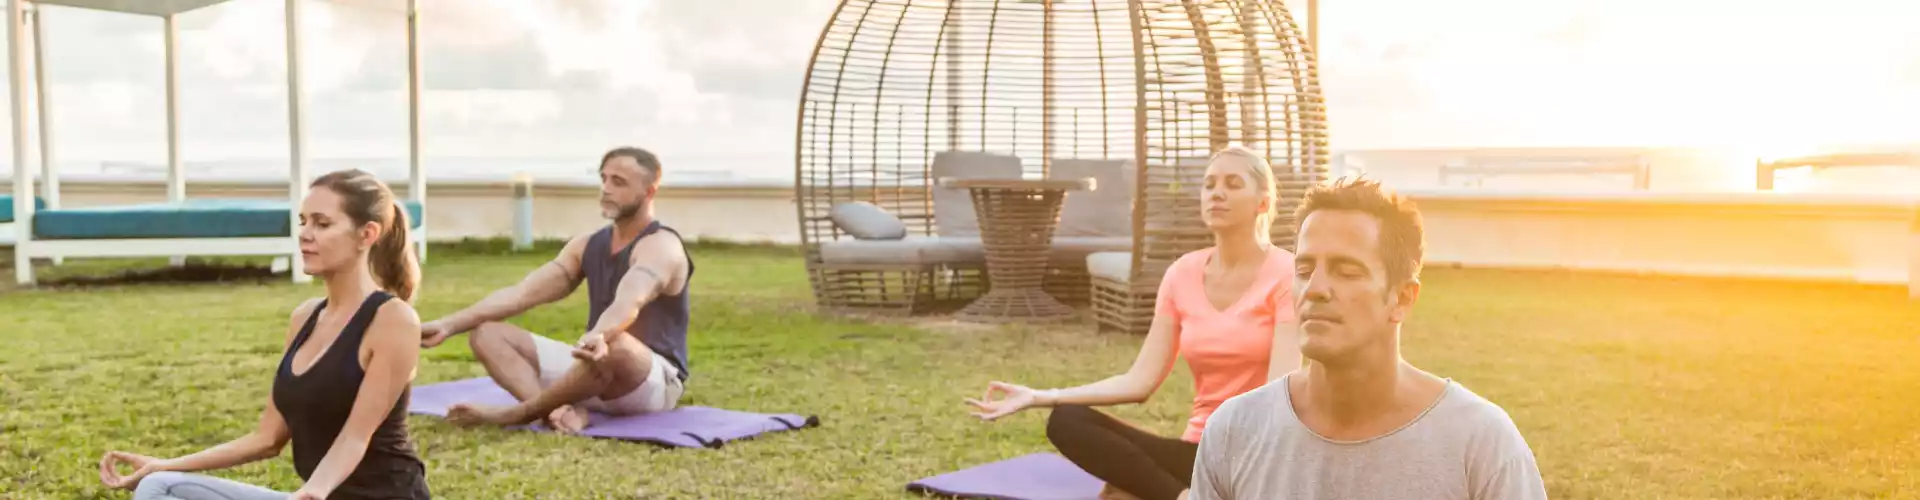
592,348
432,333
1017,397
142,467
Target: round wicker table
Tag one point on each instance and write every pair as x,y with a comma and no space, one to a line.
1017,220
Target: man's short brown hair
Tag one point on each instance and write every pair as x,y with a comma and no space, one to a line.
648,162
1402,238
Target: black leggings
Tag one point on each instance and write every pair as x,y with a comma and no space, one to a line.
1144,465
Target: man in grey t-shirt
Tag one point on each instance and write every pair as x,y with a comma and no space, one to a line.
1359,422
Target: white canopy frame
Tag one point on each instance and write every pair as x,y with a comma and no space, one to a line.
21,12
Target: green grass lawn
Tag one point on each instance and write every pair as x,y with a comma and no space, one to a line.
1626,387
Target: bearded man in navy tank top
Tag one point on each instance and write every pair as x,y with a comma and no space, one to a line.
632,358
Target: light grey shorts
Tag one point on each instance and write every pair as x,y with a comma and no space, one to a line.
660,392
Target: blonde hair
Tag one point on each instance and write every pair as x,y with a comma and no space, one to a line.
1262,177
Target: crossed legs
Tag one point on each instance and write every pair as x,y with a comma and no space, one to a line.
184,486
548,383
1128,458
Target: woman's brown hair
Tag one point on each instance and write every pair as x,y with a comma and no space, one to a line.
366,200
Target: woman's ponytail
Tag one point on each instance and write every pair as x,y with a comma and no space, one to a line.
392,258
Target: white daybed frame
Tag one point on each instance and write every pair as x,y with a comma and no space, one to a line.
25,248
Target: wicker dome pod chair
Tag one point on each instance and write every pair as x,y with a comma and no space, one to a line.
1135,95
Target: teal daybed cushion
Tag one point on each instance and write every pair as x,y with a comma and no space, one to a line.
213,218
6,206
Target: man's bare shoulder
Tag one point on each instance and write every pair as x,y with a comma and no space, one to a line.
575,250
662,255
660,250
664,243
577,245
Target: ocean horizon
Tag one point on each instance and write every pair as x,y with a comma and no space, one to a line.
1668,170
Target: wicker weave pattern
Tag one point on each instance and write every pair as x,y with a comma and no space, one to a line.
1068,284
1017,226
1161,82
1121,306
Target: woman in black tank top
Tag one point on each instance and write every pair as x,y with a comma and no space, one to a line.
340,393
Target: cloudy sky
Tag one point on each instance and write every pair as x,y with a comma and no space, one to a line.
715,81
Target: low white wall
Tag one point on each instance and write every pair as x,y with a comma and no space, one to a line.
1771,235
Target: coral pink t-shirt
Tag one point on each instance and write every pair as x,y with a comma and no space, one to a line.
1226,349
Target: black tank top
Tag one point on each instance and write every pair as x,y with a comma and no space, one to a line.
662,323
315,406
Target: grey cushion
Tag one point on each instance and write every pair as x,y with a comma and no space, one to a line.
953,213
867,221
927,250
912,250
1072,250
1107,210
1114,266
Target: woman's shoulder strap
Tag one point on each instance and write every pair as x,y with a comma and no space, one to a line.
364,317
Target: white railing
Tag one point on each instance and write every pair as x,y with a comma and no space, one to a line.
1849,238
1476,169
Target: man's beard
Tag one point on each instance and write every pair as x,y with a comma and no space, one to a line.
626,212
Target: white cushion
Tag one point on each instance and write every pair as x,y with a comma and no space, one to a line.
1114,266
953,213
1107,210
867,221
912,250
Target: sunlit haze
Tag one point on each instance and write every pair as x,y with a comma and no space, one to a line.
712,84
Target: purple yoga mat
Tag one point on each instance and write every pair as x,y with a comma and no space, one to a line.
686,426
1040,476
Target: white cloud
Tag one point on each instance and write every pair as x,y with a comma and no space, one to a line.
714,80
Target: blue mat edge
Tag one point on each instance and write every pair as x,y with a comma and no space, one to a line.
919,486
241,218
808,421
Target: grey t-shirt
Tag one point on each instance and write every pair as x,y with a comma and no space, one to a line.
1463,447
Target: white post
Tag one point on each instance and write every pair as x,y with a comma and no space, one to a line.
522,211
176,173
49,182
176,178
49,179
297,184
22,182
416,168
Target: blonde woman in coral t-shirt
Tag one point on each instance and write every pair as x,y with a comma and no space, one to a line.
1228,309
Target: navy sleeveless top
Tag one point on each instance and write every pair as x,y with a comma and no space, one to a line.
662,323
315,406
